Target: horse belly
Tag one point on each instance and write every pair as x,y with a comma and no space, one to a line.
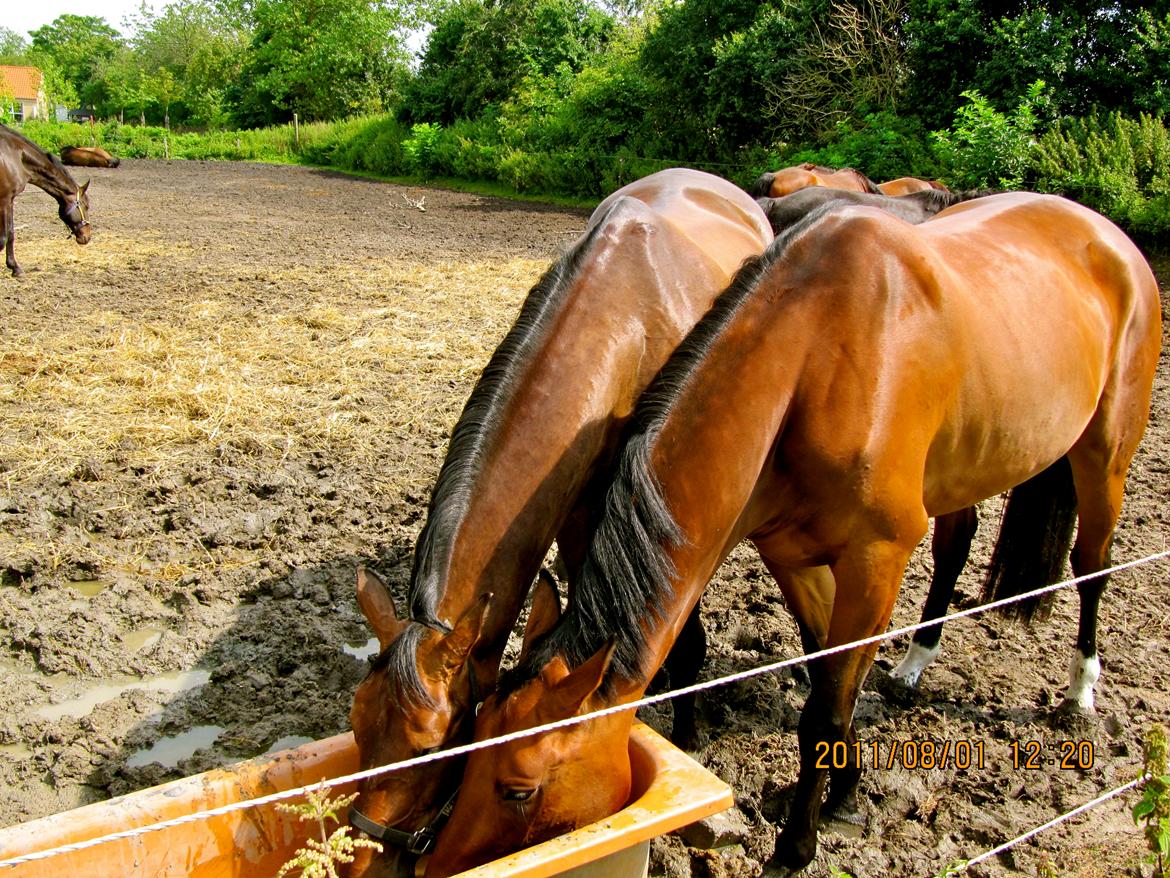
1023,415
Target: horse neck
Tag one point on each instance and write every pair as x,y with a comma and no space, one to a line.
537,454
46,175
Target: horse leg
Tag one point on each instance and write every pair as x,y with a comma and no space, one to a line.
1098,508
683,664
949,547
867,581
8,230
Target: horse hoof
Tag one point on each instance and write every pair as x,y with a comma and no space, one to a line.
845,817
896,690
789,858
1075,718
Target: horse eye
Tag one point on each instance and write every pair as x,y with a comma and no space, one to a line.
518,795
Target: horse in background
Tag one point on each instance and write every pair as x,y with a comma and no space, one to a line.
914,208
529,461
88,157
794,416
777,184
909,185
23,162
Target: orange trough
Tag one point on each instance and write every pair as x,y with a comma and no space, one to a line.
670,790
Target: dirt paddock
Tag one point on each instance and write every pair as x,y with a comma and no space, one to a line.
243,388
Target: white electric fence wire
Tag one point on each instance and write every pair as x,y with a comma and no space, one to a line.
1031,833
564,723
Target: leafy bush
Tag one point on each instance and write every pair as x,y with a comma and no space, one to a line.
419,150
882,146
987,148
1118,166
469,150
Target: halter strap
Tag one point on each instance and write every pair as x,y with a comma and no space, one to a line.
80,208
419,842
422,840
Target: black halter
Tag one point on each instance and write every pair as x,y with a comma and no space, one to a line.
421,841
81,222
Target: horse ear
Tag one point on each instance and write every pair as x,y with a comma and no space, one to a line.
569,693
84,186
545,612
377,606
451,652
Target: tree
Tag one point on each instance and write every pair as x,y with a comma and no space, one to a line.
852,64
1093,55
79,45
478,54
12,45
322,59
201,49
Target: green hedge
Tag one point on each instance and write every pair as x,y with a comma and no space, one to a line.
1116,165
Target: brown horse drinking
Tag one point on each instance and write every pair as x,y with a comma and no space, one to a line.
788,180
528,462
860,377
23,162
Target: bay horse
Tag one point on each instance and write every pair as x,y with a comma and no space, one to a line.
858,378
528,461
788,180
909,185
88,157
23,162
914,208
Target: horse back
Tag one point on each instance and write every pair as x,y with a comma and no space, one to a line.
724,222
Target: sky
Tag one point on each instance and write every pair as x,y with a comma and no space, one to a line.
23,16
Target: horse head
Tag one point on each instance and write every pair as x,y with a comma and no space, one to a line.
527,791
74,210
415,700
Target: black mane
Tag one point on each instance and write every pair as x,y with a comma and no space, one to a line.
470,441
628,571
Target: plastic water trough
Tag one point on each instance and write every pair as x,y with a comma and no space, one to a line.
671,790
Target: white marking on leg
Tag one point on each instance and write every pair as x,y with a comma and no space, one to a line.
915,662
1083,674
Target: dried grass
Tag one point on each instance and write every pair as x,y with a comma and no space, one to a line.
340,357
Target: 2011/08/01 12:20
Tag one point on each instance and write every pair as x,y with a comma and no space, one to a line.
961,755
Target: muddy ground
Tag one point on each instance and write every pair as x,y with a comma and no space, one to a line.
243,388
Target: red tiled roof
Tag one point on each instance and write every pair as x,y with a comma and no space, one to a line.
23,83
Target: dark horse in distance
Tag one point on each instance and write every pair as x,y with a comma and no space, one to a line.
23,162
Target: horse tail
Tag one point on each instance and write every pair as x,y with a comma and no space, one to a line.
1035,534
762,188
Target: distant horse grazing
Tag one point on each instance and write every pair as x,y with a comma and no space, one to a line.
859,378
88,157
909,185
529,462
915,208
23,162
787,180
